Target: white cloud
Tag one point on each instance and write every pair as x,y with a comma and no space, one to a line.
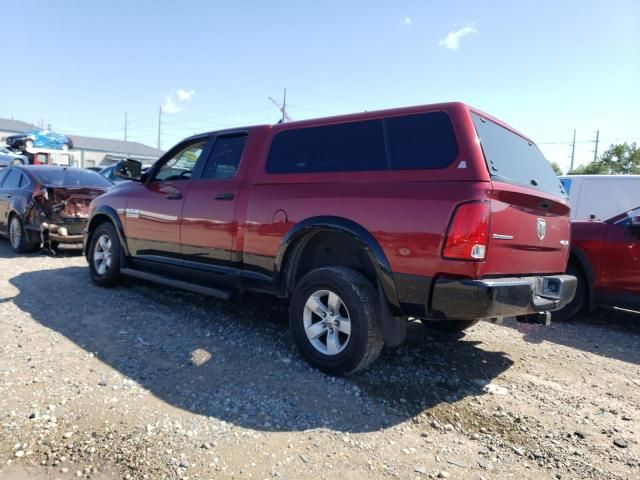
452,40
185,95
169,106
408,21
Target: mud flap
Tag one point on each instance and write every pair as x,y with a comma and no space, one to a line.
394,329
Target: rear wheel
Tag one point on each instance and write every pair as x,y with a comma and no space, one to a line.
335,320
105,254
20,241
449,326
579,301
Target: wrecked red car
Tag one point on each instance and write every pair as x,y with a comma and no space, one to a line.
46,206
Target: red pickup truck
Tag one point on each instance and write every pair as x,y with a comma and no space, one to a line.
605,258
436,212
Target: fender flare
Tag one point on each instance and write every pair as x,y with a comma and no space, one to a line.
370,245
583,262
102,212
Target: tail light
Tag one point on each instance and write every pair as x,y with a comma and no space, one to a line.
468,233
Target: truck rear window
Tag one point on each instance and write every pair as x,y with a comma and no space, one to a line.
410,142
514,159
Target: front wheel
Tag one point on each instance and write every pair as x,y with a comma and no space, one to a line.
335,320
105,255
17,162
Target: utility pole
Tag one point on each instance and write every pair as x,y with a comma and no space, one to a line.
282,108
573,149
125,126
284,104
595,152
159,125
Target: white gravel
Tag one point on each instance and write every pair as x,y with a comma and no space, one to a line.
144,382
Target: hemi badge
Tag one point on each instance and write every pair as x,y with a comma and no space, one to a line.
498,236
564,243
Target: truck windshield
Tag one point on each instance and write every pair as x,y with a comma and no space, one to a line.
514,159
71,178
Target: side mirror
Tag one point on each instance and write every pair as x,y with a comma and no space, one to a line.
129,169
635,221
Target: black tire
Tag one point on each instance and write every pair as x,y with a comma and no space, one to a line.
22,242
111,275
579,301
361,305
449,326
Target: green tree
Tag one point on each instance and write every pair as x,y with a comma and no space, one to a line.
620,159
556,168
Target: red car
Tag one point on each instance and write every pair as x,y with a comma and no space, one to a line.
437,212
605,258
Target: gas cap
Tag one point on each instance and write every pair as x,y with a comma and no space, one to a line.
280,218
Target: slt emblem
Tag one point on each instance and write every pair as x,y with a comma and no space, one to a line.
541,228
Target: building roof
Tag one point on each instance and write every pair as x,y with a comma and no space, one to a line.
89,143
10,125
114,146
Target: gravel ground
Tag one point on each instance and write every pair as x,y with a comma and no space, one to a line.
143,382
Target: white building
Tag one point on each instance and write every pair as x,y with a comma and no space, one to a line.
87,151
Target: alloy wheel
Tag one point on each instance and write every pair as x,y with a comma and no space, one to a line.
327,323
15,233
103,254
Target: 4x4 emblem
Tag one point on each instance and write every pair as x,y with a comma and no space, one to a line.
541,228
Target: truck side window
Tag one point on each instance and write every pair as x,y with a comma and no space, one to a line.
347,147
181,165
421,141
225,157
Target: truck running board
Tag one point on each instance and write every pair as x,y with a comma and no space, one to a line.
170,282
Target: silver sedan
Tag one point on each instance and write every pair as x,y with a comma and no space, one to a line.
9,158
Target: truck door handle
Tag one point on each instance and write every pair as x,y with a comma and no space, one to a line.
174,196
224,196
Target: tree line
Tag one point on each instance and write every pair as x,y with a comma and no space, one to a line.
620,159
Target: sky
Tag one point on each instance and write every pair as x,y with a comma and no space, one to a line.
545,67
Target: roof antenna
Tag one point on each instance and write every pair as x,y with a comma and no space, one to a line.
282,108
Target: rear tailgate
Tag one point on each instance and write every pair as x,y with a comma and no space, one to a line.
529,232
530,227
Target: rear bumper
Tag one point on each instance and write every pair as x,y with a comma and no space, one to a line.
500,297
68,233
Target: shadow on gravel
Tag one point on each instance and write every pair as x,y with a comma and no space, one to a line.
236,362
606,332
